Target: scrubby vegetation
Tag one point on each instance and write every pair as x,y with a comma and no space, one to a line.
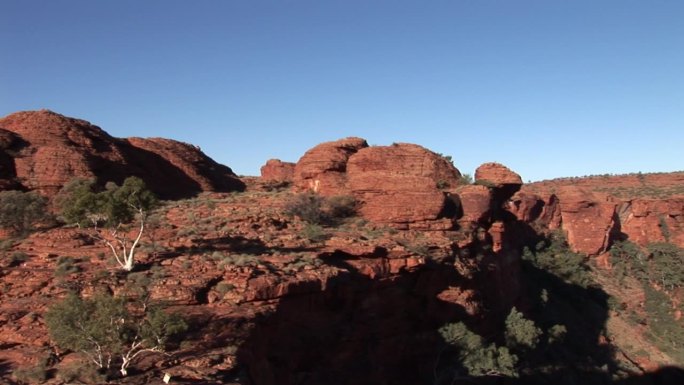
319,210
21,211
659,268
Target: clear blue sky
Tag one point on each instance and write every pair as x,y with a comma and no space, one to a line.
550,88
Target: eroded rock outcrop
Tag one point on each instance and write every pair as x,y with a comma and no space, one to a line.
323,168
47,150
651,220
641,208
403,185
587,218
276,170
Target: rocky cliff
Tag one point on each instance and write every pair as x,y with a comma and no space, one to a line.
597,211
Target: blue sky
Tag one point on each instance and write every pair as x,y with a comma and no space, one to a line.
550,88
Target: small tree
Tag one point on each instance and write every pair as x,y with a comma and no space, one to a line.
111,330
521,332
476,356
112,208
20,211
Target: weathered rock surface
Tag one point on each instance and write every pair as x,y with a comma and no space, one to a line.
588,219
650,220
497,175
476,203
323,168
186,160
276,170
47,150
531,208
402,185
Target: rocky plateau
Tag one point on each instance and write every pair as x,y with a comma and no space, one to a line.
362,304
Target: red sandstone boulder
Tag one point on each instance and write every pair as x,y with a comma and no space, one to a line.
496,175
587,219
402,185
323,168
48,150
276,170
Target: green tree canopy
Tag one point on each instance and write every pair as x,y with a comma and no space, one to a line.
111,330
80,203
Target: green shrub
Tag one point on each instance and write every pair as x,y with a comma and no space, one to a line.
521,332
307,206
17,258
66,266
315,209
239,260
36,374
84,373
314,233
340,206
21,211
465,179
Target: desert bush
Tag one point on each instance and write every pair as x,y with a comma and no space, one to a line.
21,211
465,179
315,209
554,255
340,206
66,266
87,374
301,262
314,233
239,260
224,287
476,356
307,206
36,374
666,267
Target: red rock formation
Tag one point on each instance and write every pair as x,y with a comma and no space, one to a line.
50,149
190,161
651,220
648,206
587,219
534,209
476,203
276,170
323,168
402,185
496,175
